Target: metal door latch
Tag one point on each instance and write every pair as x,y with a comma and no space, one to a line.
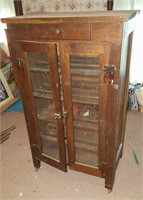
65,114
57,115
109,69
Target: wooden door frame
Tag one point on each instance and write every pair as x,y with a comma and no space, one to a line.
110,4
18,7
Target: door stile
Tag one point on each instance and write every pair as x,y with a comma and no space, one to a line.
58,104
112,121
103,109
65,68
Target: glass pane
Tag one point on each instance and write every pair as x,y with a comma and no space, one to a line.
85,98
42,91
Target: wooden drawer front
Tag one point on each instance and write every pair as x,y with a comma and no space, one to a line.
61,31
19,34
106,32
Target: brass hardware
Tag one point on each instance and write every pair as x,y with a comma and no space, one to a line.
57,31
19,62
57,115
109,74
104,165
109,69
65,114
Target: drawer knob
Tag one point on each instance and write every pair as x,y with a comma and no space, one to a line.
57,31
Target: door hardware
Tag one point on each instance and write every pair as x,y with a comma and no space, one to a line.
109,73
65,114
57,115
109,69
19,62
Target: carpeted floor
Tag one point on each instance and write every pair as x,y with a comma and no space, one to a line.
18,179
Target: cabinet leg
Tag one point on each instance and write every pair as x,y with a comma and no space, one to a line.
36,169
37,164
109,188
109,185
121,154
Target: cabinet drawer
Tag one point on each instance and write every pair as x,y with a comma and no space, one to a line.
106,32
61,31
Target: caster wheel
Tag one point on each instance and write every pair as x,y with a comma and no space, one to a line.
109,190
36,169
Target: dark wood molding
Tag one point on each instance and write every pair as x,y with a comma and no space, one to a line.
18,7
110,4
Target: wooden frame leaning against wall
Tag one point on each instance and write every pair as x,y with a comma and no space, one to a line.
6,95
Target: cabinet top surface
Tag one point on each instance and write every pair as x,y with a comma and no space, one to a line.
45,17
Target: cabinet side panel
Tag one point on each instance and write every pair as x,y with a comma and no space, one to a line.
118,102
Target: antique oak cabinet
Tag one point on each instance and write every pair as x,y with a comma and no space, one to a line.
72,71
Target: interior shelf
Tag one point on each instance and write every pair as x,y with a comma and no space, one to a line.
43,94
87,72
39,69
94,101
86,146
85,125
86,136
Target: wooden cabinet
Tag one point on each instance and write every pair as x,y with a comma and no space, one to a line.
72,71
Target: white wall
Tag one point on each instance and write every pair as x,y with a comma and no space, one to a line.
136,74
123,4
6,10
136,68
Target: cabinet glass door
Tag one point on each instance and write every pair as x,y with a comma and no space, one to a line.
41,63
84,72
42,91
83,88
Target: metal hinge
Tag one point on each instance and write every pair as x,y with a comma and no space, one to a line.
65,114
104,165
57,115
109,74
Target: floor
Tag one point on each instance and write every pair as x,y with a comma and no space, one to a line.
18,179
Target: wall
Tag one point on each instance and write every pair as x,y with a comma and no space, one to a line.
136,68
123,4
6,10
63,5
136,75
